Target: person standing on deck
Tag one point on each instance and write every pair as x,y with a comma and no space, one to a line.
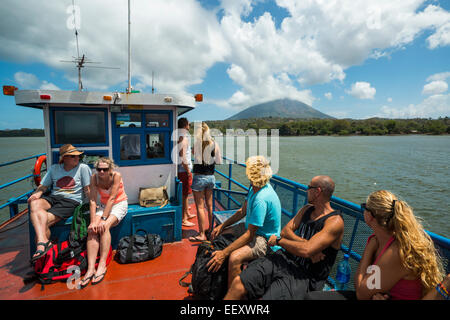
106,183
207,155
67,179
185,169
310,243
262,212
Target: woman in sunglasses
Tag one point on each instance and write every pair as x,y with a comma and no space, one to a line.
113,207
400,261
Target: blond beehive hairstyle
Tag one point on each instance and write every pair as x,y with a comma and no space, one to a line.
417,250
258,170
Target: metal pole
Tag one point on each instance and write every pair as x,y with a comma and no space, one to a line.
129,49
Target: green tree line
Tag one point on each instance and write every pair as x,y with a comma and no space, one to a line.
373,126
24,132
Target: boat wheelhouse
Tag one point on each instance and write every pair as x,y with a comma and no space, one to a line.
137,130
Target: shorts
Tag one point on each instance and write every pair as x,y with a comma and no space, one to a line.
60,206
187,182
119,210
276,277
258,244
201,182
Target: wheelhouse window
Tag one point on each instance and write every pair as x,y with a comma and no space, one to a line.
79,127
142,137
155,145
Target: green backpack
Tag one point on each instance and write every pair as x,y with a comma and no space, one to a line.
80,223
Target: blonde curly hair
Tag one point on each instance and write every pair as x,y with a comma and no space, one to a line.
107,160
417,251
258,170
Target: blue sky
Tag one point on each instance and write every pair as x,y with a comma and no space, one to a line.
349,59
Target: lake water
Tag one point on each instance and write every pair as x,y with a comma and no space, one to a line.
416,168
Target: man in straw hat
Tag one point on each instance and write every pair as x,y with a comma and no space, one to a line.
262,212
310,243
67,179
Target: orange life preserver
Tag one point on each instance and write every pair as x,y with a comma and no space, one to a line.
37,169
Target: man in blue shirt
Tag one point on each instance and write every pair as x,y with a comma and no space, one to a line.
262,212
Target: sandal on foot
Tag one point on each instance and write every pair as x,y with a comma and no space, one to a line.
102,276
196,239
47,246
188,224
88,279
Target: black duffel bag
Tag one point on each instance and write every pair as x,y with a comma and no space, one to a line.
137,248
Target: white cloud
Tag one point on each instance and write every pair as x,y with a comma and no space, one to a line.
180,41
362,90
29,81
328,95
433,106
435,87
442,76
389,99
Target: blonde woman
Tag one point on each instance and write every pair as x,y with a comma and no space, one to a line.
407,263
107,184
204,181
262,212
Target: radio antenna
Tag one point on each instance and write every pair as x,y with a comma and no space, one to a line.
79,62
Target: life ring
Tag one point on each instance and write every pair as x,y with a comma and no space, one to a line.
37,169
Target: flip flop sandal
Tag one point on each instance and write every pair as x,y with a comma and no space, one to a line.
88,279
102,277
188,224
196,239
47,246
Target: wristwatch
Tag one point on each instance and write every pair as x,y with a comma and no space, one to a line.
104,218
278,240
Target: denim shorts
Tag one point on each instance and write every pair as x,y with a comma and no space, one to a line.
201,182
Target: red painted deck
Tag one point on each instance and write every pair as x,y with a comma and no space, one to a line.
150,280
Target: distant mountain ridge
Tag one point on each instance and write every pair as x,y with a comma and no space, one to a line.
281,108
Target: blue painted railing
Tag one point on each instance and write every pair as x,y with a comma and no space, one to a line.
293,196
14,202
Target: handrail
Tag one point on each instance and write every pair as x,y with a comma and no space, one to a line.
13,202
348,208
20,160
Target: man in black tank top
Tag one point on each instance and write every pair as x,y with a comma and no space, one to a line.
310,242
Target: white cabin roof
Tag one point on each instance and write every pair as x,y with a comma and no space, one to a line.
34,99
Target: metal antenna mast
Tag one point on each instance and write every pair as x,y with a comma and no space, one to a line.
129,49
81,61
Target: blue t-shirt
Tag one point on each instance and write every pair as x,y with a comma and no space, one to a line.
68,184
264,212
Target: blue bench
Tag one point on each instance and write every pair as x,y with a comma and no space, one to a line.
164,221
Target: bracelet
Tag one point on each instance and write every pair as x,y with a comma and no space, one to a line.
442,291
443,288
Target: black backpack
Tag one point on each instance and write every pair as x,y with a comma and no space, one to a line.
207,285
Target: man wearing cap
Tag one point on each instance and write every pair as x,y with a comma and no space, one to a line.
67,179
262,212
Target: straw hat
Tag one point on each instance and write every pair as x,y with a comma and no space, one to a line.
66,150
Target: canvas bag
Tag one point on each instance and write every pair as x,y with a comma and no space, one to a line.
153,197
137,248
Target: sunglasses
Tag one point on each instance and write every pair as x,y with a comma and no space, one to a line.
102,169
312,187
71,156
364,206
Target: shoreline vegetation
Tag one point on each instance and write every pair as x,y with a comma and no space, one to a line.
341,127
309,127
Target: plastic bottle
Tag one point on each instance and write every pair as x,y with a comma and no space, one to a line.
343,274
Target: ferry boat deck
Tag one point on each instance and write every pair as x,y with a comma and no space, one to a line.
155,279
